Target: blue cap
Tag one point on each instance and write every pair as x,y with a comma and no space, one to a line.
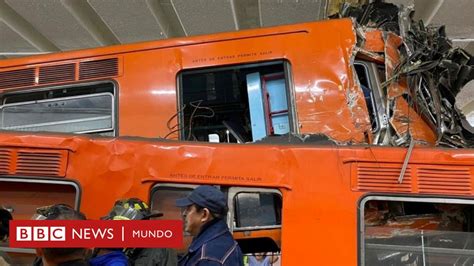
206,197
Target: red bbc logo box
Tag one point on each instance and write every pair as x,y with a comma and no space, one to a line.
41,233
96,234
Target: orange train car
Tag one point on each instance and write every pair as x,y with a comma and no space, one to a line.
229,87
310,202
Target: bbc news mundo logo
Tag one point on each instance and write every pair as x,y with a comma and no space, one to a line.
96,234
41,233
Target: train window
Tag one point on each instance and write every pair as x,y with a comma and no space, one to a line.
254,209
22,197
255,218
363,75
417,231
256,231
163,199
67,109
242,103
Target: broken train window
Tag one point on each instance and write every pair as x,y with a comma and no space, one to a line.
241,103
163,199
256,219
416,231
368,78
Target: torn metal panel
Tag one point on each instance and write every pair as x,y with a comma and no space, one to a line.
422,67
369,56
385,220
373,15
403,226
404,118
404,19
374,41
330,97
392,60
406,121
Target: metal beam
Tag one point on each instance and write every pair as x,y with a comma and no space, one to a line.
260,17
91,21
167,22
25,29
246,12
234,14
180,21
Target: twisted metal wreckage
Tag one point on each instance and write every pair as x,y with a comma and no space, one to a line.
422,70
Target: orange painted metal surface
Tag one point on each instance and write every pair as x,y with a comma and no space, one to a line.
327,101
405,120
392,60
374,41
319,184
315,181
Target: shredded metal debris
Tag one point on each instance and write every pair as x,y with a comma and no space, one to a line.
423,75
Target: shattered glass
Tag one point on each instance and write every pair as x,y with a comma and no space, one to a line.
412,233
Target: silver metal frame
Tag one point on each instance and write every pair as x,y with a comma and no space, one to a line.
291,96
169,185
377,99
233,191
18,250
58,87
361,228
76,86
375,103
48,181
40,181
68,98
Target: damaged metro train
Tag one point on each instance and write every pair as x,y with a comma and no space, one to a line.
337,142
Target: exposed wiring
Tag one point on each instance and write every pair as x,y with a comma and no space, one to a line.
197,105
175,128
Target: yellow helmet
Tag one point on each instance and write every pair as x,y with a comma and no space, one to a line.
131,209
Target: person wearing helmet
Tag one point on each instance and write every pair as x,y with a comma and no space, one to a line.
131,209
136,209
121,210
60,256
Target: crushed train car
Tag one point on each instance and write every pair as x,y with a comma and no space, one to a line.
422,70
368,86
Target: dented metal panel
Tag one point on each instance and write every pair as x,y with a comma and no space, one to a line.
312,178
408,124
424,73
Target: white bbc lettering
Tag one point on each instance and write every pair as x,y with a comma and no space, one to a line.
23,233
40,233
57,233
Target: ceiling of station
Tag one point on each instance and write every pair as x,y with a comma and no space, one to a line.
39,26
